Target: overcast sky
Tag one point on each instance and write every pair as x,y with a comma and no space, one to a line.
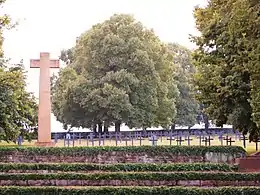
51,25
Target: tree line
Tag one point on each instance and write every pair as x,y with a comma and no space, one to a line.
121,72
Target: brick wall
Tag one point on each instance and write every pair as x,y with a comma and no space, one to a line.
119,157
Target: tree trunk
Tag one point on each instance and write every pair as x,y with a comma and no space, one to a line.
206,122
173,127
106,127
94,129
100,128
117,126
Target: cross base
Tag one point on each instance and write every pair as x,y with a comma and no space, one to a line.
45,144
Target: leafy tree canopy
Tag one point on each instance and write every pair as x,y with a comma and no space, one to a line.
123,74
187,106
228,62
18,108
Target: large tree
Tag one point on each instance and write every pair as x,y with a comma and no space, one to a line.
124,75
18,108
228,62
187,106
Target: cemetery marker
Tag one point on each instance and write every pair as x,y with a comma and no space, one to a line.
244,139
171,138
44,112
256,144
188,139
153,139
179,140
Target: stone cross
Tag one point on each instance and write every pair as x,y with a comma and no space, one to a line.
171,138
20,140
127,138
153,139
140,138
256,144
188,139
229,140
91,138
55,137
207,140
79,137
44,113
220,137
179,140
244,139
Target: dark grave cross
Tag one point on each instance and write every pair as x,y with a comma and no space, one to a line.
145,133
256,144
127,138
87,139
201,137
179,140
136,135
105,136
140,138
55,138
244,139
220,137
80,137
110,135
20,140
67,138
238,135
65,141
99,139
118,136
132,139
91,138
153,139
161,136
171,138
229,141
73,139
207,140
188,139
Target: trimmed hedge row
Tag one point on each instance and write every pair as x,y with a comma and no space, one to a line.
92,151
129,191
5,167
155,176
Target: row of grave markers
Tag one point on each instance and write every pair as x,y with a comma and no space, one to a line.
153,137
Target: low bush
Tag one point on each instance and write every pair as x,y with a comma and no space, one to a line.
128,191
93,151
77,167
153,176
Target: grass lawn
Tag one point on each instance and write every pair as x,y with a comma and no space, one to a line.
251,147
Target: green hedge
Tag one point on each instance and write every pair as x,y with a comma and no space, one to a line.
155,176
128,191
92,151
119,167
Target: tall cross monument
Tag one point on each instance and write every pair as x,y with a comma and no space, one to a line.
44,113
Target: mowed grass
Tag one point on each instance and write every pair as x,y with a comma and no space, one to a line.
250,147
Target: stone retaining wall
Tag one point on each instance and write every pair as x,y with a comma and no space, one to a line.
121,157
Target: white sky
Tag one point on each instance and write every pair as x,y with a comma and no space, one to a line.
51,25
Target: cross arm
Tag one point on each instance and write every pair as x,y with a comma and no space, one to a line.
35,63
